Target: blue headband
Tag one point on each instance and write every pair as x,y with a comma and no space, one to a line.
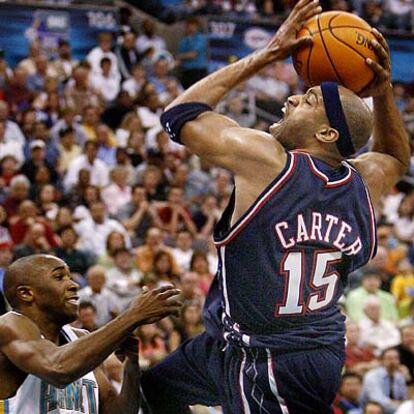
336,117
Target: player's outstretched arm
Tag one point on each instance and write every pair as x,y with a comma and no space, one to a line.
23,344
389,158
217,137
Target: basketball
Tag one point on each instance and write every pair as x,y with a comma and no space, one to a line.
341,43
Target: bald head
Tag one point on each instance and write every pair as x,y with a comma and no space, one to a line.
27,271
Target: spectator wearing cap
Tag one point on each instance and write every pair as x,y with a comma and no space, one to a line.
99,171
38,159
97,293
375,330
103,50
385,384
123,279
127,54
118,193
192,53
80,94
94,232
76,259
371,282
13,132
105,81
19,191
68,149
9,147
64,64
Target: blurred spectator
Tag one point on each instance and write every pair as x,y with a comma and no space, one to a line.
137,215
4,231
359,357
130,123
192,54
190,292
160,77
118,193
94,232
5,72
123,280
103,50
164,268
348,395
386,384
152,347
38,159
149,106
402,287
68,148
207,216
77,260
6,256
34,242
105,81
373,14
404,225
370,285
199,264
148,42
128,55
114,241
134,84
28,64
99,171
9,147
64,64
68,120
114,113
406,348
407,407
99,295
13,132
17,94
375,330
372,407
80,94
19,191
183,251
106,148
400,12
87,317
36,80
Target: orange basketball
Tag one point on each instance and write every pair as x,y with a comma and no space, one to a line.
338,52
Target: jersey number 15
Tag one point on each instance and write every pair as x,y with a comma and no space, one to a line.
321,282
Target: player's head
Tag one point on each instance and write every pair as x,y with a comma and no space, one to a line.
42,284
308,120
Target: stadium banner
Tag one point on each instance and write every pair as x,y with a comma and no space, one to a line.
21,24
233,39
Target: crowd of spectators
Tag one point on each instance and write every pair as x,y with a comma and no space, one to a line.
384,14
87,174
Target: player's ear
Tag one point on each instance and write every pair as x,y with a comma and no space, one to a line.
25,293
327,135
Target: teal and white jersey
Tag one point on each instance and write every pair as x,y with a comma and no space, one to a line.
35,396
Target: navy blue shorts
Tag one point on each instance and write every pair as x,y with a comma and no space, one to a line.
245,381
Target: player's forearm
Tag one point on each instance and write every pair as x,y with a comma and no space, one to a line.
214,87
129,399
82,356
389,135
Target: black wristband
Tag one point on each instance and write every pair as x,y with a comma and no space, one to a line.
174,119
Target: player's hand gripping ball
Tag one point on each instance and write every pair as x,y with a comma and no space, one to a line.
341,43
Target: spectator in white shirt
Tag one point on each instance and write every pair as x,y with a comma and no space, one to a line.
9,148
99,171
183,251
13,132
375,331
134,84
118,193
106,81
93,233
99,295
148,41
103,50
123,279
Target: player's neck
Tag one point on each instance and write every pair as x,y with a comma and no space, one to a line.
329,158
49,329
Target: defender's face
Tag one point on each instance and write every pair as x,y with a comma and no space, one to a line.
302,114
56,293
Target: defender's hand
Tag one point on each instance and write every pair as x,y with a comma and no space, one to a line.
284,42
151,306
382,70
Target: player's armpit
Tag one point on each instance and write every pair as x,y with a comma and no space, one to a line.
222,142
380,172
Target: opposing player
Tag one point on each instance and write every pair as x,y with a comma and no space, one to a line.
300,219
44,366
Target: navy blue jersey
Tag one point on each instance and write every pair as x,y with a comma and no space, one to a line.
284,264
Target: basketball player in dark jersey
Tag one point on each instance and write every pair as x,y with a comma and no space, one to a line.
300,219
